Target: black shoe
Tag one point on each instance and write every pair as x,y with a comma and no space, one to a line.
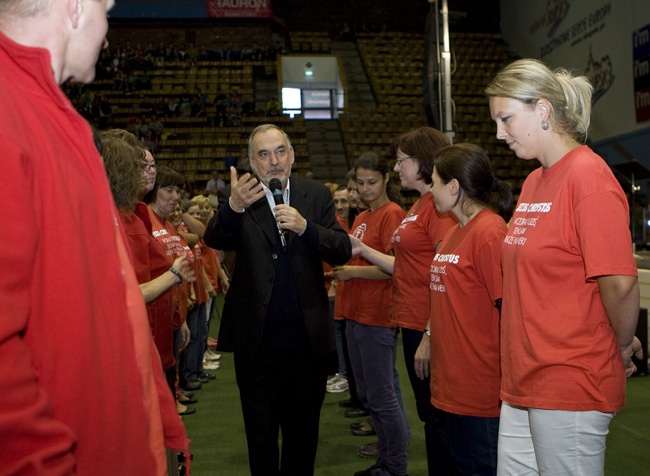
189,401
203,379
181,457
347,403
375,469
187,393
208,376
359,424
363,430
188,411
193,385
356,413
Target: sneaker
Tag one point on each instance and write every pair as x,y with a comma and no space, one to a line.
337,384
207,365
211,356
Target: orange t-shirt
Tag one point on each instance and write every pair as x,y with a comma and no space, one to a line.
570,227
370,299
413,243
465,283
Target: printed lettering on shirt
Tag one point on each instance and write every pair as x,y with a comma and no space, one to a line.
438,271
157,233
541,207
520,225
360,231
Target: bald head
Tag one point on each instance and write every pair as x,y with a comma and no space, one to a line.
23,8
73,31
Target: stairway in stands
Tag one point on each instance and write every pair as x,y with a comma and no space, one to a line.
359,93
326,151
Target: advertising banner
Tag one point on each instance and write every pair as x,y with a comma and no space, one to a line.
239,8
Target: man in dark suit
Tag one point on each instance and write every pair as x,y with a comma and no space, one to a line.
275,317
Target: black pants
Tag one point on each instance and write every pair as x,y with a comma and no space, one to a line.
281,390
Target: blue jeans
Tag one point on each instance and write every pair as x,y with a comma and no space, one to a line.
435,434
197,321
339,329
371,355
473,443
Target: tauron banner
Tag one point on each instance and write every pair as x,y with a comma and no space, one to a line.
239,8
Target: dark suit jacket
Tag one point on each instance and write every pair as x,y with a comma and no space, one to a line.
253,236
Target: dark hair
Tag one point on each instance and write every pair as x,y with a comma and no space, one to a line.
165,177
470,165
422,144
122,164
373,161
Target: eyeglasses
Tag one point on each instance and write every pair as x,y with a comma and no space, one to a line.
399,160
147,167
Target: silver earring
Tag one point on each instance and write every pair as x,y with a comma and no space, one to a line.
545,125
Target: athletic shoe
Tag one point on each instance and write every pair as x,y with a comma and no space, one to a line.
211,356
210,365
337,384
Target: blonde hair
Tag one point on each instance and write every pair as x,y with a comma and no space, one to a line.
529,80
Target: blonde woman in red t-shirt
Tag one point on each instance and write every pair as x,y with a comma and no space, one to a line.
571,295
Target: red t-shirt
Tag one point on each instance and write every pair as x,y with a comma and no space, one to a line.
413,244
465,282
570,226
150,261
200,292
174,246
371,298
209,260
342,298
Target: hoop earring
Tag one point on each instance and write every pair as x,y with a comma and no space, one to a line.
545,125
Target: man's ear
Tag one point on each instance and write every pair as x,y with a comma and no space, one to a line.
74,8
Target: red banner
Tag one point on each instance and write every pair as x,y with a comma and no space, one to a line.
239,8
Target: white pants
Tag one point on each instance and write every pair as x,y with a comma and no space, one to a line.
551,442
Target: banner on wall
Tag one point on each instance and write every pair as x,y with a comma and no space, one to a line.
641,71
239,8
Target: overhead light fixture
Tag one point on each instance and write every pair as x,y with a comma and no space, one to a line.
308,71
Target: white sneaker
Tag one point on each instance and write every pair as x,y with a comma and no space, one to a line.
211,356
207,365
337,384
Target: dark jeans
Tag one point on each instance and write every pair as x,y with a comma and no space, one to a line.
473,443
197,321
281,389
371,354
435,434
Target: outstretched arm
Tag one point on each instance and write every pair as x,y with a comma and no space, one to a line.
385,262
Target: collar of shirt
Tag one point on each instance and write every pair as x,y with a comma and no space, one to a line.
269,195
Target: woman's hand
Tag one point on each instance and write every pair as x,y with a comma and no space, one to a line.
185,336
343,273
423,358
633,349
357,245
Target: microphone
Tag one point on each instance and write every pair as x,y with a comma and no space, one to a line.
276,189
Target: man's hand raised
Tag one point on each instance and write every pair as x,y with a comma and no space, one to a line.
244,191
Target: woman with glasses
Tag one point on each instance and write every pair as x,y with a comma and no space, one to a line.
412,245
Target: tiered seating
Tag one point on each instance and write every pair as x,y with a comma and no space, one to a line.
393,63
310,42
478,57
